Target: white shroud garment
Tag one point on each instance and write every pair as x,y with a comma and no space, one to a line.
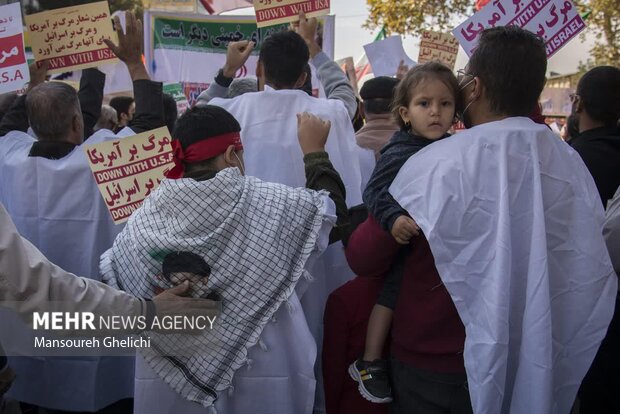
271,152
514,221
271,149
56,205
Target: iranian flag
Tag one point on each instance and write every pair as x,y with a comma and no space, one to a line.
220,6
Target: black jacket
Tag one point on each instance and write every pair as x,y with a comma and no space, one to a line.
600,150
376,196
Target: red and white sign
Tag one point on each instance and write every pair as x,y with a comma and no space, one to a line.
555,21
128,170
14,72
272,12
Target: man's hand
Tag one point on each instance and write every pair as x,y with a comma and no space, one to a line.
402,70
38,73
404,228
312,132
130,45
306,28
174,301
236,56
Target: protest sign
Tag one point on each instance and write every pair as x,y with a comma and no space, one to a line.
72,37
177,5
191,48
14,72
385,56
129,169
176,91
442,47
272,12
220,6
556,21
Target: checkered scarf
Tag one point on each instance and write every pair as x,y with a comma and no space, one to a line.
256,236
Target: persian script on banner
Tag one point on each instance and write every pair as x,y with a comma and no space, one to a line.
129,169
71,38
13,65
556,21
442,47
272,12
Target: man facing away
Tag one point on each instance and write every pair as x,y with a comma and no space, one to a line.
514,222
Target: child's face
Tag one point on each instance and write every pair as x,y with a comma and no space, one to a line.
431,109
197,284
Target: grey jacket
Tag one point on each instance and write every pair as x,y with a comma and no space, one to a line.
29,282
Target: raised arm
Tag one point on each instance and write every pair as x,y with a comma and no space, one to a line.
236,56
320,173
333,79
16,118
90,96
148,94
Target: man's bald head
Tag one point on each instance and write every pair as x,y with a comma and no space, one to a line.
54,113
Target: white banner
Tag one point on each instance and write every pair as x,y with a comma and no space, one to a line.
556,21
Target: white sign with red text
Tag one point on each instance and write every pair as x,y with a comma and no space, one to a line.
555,21
129,169
14,72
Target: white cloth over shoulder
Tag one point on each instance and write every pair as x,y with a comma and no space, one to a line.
269,135
56,205
515,222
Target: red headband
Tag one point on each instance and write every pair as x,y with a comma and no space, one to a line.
201,151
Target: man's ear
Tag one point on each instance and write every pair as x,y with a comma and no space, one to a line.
229,156
477,89
76,123
260,75
301,80
578,105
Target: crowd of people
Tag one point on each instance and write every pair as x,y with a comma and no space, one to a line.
385,267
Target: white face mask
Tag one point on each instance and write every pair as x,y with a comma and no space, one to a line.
241,166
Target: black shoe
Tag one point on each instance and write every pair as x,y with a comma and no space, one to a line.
372,379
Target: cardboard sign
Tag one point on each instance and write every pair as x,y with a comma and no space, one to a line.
272,12
14,72
556,21
385,56
176,91
130,169
175,5
72,37
442,47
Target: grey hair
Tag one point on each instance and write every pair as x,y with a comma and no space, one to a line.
107,119
240,86
51,108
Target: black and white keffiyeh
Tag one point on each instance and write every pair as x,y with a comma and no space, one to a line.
255,236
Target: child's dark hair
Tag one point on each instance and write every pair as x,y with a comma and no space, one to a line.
182,262
417,75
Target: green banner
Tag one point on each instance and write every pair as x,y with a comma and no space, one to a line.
207,36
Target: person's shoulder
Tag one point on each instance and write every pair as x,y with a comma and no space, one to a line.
16,141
